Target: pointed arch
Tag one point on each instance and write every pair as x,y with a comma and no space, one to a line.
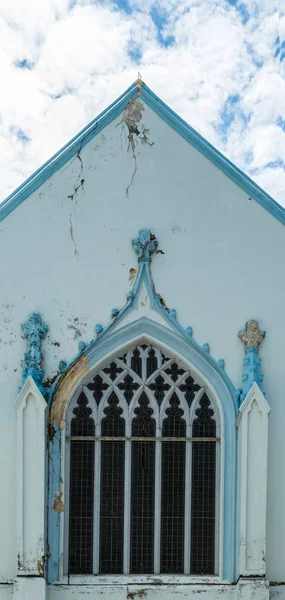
206,373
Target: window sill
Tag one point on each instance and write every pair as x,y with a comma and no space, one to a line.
127,580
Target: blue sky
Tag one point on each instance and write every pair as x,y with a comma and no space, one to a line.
219,63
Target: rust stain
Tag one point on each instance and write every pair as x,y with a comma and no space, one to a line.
132,117
64,390
136,594
132,276
41,563
58,504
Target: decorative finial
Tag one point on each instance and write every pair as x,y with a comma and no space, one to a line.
62,366
81,346
145,245
98,328
34,330
251,337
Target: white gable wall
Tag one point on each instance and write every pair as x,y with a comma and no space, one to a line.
69,259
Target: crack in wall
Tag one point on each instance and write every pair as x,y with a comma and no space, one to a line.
76,188
73,196
75,251
132,117
81,175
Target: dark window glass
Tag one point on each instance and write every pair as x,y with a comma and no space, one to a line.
171,380
113,370
173,490
142,490
174,371
97,386
136,362
203,492
112,490
81,489
189,387
159,387
151,363
128,386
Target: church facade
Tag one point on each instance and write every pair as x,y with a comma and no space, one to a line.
142,376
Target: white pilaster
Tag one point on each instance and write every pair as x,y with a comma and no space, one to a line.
31,410
30,588
252,425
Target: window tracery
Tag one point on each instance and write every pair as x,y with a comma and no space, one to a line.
136,468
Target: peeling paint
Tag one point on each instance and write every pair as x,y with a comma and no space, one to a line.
58,505
51,432
136,594
77,332
50,380
162,302
41,564
64,389
132,276
132,117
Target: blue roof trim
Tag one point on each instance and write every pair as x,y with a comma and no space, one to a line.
59,159
173,120
210,152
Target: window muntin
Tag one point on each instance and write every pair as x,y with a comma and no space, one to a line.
146,518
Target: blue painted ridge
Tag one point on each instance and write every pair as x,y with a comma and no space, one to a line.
173,120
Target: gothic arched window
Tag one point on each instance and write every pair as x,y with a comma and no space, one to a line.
143,453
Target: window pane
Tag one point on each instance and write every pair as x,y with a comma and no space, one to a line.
142,507
142,494
112,507
81,485
173,491
203,492
112,490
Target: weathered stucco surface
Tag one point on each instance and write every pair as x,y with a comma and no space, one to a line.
67,254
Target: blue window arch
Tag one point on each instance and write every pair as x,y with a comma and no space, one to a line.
200,361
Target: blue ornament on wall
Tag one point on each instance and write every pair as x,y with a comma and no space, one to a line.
252,337
34,331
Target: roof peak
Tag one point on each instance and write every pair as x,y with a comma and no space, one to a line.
172,119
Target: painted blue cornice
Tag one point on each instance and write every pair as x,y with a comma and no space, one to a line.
34,330
173,120
252,337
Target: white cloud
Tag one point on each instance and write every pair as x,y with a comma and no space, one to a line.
79,61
